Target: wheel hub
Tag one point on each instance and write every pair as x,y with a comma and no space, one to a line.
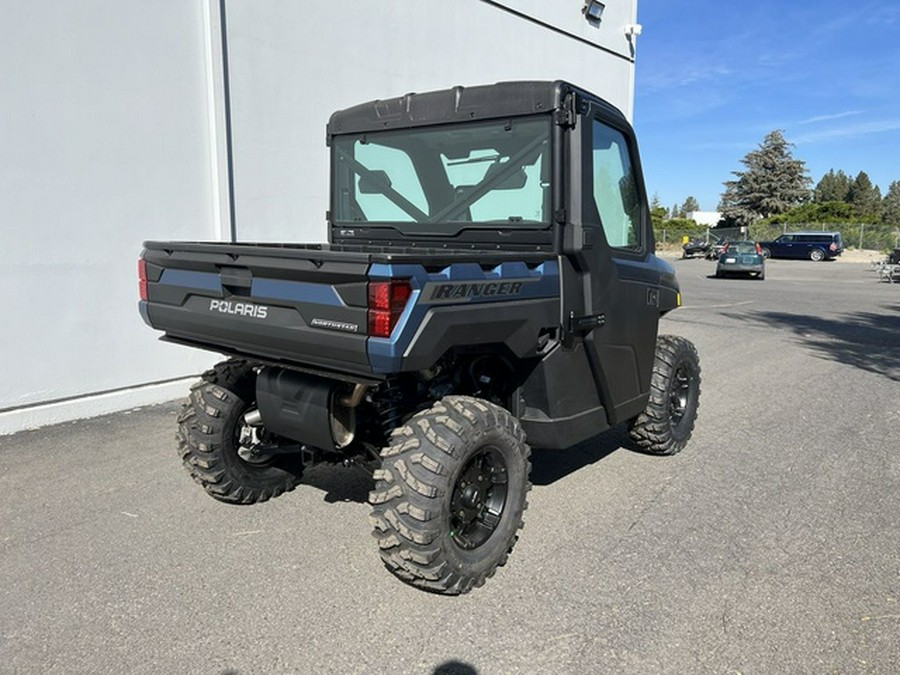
479,499
471,496
679,394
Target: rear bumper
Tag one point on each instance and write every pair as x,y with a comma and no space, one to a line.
737,268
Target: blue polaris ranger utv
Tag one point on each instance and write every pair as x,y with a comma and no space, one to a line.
489,286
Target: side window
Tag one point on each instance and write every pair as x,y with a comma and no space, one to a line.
615,188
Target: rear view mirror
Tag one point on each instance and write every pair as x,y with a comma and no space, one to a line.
370,183
515,181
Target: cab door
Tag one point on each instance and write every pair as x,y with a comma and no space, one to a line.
619,274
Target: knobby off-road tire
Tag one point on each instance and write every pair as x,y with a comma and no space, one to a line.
450,494
208,436
665,426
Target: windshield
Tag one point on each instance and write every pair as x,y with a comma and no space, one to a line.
479,173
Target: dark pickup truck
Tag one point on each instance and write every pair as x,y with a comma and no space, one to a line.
489,285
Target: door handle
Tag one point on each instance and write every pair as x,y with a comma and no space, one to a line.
585,322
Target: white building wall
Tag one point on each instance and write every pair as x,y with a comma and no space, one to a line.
112,132
708,218
104,142
292,64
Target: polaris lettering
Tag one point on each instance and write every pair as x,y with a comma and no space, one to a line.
239,308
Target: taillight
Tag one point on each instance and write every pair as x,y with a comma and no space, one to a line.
387,300
833,247
758,249
725,247
142,278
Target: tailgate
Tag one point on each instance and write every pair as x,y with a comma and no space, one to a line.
296,305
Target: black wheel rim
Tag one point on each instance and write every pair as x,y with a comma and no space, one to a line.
679,394
478,499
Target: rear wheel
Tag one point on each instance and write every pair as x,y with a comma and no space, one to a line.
450,494
665,426
817,255
218,447
766,253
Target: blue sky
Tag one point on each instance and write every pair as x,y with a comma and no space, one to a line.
713,78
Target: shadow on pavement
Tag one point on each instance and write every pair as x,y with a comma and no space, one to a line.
549,466
341,483
454,668
352,484
865,340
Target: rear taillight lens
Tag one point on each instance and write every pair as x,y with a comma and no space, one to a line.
758,249
725,247
387,300
833,247
142,278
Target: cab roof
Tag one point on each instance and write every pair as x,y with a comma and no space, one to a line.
458,104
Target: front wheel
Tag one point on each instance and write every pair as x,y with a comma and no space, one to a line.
450,494
667,422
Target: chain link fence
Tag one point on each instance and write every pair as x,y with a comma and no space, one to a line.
863,236
869,236
672,232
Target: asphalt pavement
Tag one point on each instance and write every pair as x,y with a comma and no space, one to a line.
770,545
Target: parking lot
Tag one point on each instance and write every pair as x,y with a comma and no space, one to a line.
769,545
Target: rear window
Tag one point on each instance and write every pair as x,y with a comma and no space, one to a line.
742,247
494,172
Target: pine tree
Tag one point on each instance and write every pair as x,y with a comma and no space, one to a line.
690,204
658,212
834,187
865,198
773,183
890,205
734,213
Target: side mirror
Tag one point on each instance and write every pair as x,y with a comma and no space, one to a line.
514,181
